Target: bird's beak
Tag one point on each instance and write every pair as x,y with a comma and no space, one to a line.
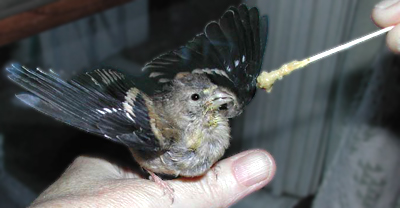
222,101
220,98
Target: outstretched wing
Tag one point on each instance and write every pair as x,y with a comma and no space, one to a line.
230,52
104,102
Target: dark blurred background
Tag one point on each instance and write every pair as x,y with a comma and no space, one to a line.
329,126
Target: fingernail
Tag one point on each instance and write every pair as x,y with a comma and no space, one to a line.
253,168
385,4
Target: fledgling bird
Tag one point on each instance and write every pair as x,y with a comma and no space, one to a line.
180,125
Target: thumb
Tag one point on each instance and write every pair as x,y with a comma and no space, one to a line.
228,182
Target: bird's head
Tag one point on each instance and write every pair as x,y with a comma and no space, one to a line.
194,96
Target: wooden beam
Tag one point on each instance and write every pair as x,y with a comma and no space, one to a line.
51,15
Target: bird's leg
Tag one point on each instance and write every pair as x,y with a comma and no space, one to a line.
163,184
216,169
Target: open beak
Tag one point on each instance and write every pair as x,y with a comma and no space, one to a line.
220,98
224,102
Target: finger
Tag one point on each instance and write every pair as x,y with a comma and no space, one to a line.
87,168
393,39
387,13
229,181
85,173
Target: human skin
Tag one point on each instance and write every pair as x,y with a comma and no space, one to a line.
387,13
95,182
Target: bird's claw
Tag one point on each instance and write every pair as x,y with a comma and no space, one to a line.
167,189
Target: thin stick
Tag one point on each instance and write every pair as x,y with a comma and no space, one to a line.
349,44
267,79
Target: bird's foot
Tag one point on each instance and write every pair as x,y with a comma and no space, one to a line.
216,170
164,185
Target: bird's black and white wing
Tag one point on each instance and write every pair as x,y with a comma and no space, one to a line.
230,52
104,102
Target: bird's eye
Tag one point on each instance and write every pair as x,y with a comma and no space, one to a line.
195,97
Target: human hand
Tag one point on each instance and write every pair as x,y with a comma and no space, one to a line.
387,13
94,182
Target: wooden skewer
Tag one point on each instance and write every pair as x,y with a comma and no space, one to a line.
267,79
